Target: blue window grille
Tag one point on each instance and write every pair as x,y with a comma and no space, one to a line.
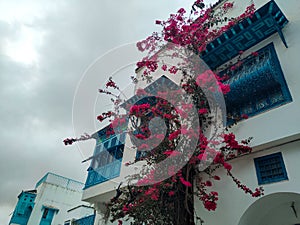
270,169
256,86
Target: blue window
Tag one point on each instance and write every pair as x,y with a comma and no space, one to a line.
257,85
270,169
105,165
140,155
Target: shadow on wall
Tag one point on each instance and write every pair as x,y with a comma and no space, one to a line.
276,209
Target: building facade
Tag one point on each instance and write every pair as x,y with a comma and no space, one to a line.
265,88
80,215
49,203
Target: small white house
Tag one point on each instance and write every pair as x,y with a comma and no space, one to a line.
49,203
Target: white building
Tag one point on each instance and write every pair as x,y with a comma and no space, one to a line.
266,88
80,215
49,203
275,128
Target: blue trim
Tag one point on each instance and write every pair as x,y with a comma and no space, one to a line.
47,216
88,220
266,21
105,165
270,169
23,208
44,179
257,85
158,85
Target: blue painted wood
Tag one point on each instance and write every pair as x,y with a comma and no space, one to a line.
257,85
106,163
23,208
266,21
270,169
47,216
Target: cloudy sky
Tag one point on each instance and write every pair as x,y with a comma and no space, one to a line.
45,49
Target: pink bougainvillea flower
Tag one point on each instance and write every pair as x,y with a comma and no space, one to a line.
174,135
172,153
217,177
202,156
171,193
244,116
125,208
227,166
224,88
210,205
173,70
203,111
184,182
208,183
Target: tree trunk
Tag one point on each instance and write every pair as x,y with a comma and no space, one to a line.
184,203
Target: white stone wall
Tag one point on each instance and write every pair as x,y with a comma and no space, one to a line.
233,202
56,196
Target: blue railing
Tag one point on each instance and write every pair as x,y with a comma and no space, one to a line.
107,160
102,174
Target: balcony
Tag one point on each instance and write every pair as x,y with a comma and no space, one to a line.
107,158
266,21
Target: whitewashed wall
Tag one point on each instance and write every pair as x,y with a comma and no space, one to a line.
56,196
280,126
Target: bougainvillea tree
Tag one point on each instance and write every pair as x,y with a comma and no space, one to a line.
163,193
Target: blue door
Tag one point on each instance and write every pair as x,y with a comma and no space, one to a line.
47,216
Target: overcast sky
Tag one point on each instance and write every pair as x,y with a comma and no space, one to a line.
45,47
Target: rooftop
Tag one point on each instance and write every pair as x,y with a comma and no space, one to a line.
65,182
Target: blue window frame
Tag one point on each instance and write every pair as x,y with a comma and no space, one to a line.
47,215
270,168
256,86
107,160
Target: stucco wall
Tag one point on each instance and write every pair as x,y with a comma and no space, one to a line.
56,196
